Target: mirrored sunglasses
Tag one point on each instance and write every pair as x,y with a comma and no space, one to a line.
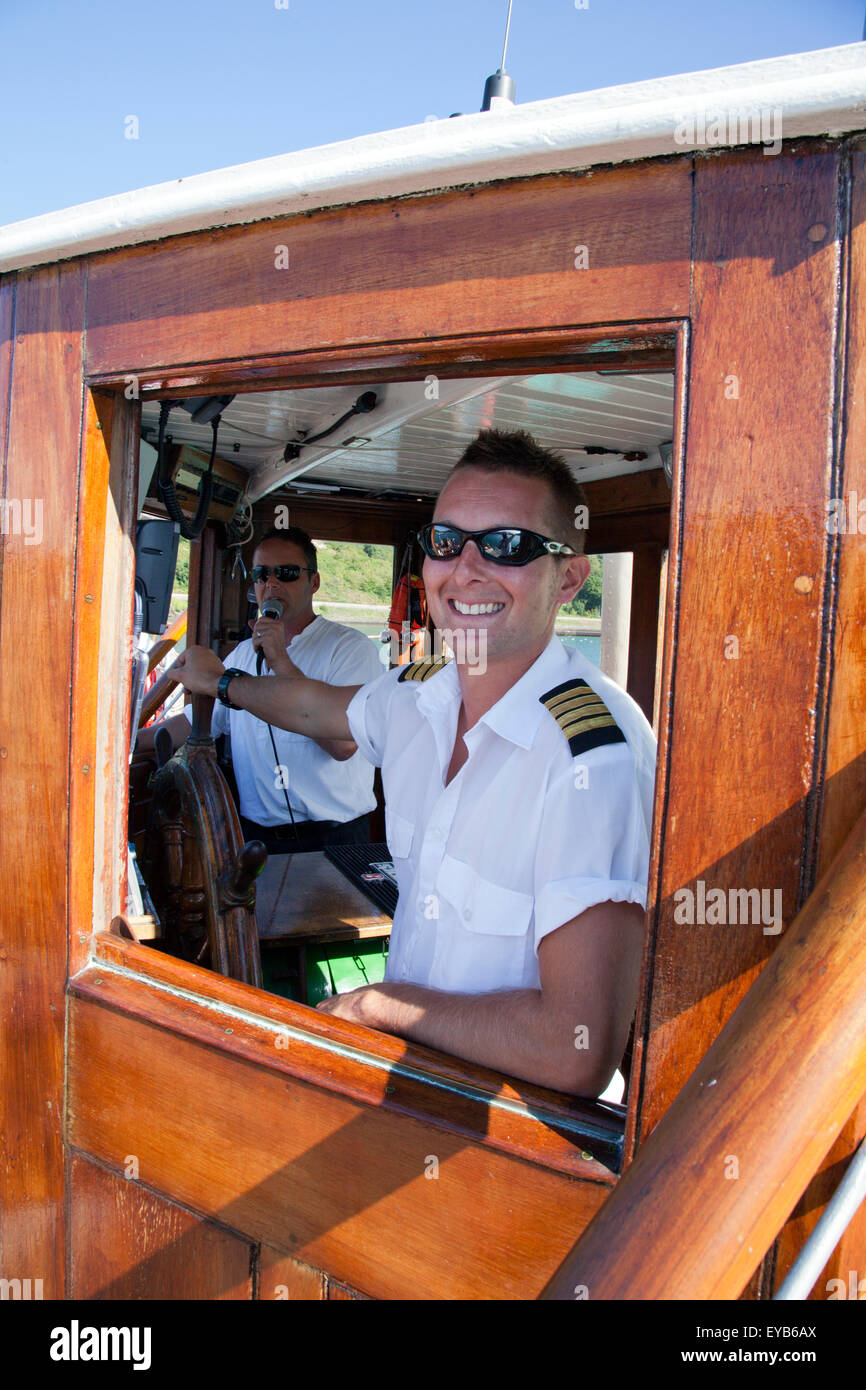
504,545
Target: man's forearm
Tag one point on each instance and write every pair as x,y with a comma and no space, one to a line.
296,703
510,1031
290,701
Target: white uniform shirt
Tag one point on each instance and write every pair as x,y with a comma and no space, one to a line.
523,839
319,787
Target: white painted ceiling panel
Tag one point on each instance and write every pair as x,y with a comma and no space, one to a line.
414,438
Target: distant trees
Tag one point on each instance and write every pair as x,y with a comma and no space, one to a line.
181,574
355,572
588,601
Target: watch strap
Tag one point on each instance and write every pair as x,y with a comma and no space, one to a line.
222,687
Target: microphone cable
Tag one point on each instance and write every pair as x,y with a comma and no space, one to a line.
260,658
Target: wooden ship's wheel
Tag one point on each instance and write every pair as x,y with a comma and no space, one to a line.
199,872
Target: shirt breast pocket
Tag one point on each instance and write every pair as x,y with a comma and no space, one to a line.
482,905
399,833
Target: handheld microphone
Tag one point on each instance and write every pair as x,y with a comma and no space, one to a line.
271,608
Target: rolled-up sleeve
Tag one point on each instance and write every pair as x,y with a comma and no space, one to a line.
593,846
368,715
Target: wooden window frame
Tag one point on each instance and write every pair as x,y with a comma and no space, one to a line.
583,1139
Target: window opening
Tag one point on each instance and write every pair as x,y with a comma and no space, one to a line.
361,495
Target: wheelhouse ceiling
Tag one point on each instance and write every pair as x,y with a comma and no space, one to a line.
604,424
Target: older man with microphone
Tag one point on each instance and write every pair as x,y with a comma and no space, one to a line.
297,793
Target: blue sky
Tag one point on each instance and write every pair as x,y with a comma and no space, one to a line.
219,82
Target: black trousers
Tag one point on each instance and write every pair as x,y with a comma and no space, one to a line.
311,834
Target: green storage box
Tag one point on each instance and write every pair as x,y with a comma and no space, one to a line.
332,968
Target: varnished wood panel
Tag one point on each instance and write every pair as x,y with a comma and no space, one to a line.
638,347
662,726
378,523
844,790
203,598
42,466
560,1132
193,598
710,1187
845,774
644,626
128,1243
341,1292
7,315
99,709
283,1277
343,1185
88,617
459,262
751,581
628,513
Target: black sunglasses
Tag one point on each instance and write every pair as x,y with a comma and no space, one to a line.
504,545
286,574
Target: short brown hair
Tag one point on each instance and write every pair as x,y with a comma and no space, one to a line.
295,536
515,451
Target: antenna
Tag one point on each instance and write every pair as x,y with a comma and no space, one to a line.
505,44
499,89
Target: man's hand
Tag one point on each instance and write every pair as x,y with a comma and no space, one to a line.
269,636
349,1006
390,1008
198,669
568,1035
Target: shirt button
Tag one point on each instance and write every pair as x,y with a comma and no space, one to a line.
467,915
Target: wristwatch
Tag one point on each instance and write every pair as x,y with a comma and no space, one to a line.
223,686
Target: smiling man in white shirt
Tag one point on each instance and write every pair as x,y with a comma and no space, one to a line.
518,787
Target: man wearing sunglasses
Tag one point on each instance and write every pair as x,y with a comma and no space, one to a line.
297,793
518,788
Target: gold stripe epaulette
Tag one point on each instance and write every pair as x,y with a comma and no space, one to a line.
423,670
582,716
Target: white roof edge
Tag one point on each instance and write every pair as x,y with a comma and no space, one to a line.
819,93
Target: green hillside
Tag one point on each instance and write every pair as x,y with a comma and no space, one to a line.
588,601
353,573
